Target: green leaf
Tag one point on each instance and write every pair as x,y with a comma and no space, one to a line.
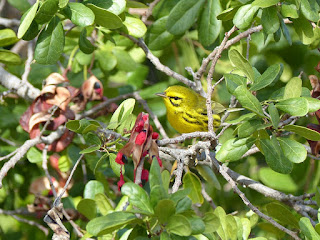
244,16
207,173
124,61
191,181
179,224
64,163
241,118
7,37
50,43
137,197
228,14
246,228
157,36
285,30
135,27
77,125
197,225
313,103
25,24
222,230
180,194
304,29
248,101
155,178
247,128
84,44
34,155
164,210
8,57
32,32
122,112
233,81
63,3
277,35
107,61
241,63
233,149
90,149
278,181
184,205
282,214
21,5
107,224
231,227
310,13
274,115
88,208
210,26
293,88
264,3
79,14
294,106
103,203
105,18
272,74
114,6
183,15
92,188
289,10
270,21
304,132
293,150
46,11
274,156
307,229
211,222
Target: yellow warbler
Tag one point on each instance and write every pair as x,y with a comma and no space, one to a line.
187,110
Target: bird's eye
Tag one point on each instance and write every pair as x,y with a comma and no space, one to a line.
176,98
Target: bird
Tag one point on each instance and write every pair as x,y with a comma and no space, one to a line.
187,110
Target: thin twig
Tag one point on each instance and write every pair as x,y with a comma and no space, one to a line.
45,168
207,197
149,10
178,173
27,67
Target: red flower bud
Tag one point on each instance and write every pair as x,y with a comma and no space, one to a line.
141,138
120,157
139,126
145,117
155,135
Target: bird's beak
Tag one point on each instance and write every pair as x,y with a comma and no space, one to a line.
163,94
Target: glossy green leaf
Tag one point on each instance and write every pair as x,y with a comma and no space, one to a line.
307,229
105,18
274,115
207,173
124,61
92,188
27,20
241,63
7,37
21,5
211,222
164,210
304,29
246,225
114,6
264,3
247,128
209,27
64,163
157,36
294,106
293,88
63,3
155,178
289,10
8,57
303,131
107,61
310,13
135,27
282,214
293,150
84,44
248,101
122,112
278,181
179,224
272,74
228,14
32,31
180,194
184,204
197,225
137,197
88,208
191,181
183,15
77,125
313,103
222,230
107,224
46,11
50,43
233,81
233,149
274,156
231,230
241,118
270,20
103,203
79,14
34,155
244,16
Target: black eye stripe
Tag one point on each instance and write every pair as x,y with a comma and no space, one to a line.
175,98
